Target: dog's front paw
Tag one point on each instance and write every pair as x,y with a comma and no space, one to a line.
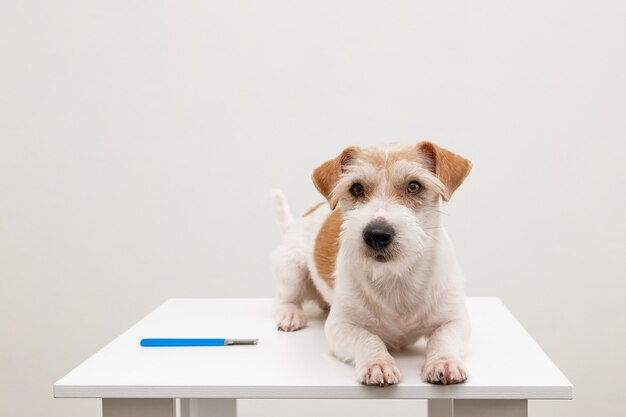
291,319
444,371
380,373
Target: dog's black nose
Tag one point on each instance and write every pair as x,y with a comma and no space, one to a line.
378,235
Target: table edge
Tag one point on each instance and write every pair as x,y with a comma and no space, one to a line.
563,392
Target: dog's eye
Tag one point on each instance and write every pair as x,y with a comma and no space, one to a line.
357,189
413,187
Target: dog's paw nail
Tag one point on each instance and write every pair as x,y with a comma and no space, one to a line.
291,320
380,373
443,372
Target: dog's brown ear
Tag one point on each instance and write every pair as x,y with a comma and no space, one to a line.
325,176
450,168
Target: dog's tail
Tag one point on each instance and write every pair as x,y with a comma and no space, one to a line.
282,209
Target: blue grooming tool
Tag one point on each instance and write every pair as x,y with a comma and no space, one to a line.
195,342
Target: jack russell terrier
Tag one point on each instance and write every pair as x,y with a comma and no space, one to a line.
377,256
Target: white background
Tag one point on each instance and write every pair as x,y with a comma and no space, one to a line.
139,141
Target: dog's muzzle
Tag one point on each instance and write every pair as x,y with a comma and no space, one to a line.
378,234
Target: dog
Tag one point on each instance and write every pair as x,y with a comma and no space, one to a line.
377,256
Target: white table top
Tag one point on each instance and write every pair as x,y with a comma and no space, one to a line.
503,360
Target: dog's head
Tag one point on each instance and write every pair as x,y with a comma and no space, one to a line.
390,197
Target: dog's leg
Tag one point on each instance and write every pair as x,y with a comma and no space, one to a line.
443,353
350,343
292,275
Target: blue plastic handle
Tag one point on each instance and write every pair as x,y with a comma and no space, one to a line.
181,342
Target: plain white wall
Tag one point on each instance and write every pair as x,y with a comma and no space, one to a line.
139,141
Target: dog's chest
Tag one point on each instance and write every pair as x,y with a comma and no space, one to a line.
401,327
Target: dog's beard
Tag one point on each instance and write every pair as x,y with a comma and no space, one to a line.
390,253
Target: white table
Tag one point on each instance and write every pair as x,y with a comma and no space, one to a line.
506,367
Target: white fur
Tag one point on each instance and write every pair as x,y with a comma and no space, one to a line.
381,306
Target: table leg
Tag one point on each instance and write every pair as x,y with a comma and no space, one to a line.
440,408
477,408
208,407
138,407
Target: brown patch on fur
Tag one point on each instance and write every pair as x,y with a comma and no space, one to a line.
326,175
327,247
450,168
312,209
381,158
412,201
385,160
